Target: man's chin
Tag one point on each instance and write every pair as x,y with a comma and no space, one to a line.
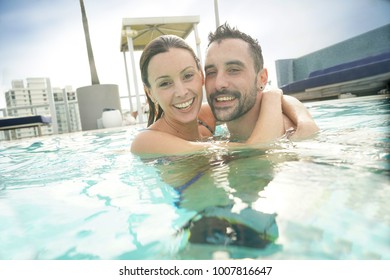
224,118
223,114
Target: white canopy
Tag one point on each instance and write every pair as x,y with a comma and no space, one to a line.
143,30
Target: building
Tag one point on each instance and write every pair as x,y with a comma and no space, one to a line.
68,116
39,98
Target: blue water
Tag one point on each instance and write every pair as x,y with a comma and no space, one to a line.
84,196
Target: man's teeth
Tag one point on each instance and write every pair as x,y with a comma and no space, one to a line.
184,105
225,98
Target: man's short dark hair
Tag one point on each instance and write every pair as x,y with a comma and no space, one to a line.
226,32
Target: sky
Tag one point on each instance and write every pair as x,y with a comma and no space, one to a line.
45,38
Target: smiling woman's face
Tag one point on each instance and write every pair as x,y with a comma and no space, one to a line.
176,84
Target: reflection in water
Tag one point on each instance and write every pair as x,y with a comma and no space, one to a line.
219,226
219,189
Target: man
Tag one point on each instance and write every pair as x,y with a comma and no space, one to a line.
235,80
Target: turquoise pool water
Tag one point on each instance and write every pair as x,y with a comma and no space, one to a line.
84,196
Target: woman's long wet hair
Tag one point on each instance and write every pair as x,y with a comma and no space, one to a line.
159,45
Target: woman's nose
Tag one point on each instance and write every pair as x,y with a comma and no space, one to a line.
180,89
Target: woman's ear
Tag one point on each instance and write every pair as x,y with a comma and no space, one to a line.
148,93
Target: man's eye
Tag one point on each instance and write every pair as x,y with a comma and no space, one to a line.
210,73
233,70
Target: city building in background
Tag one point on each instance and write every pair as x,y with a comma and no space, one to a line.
37,97
68,117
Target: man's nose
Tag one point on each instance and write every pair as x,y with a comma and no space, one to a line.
221,81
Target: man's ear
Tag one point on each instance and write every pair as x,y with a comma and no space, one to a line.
262,78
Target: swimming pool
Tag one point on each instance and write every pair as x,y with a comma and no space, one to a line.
84,196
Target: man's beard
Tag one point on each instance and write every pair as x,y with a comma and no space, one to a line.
245,103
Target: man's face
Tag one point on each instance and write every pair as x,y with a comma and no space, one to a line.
231,82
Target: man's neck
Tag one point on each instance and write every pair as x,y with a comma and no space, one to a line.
241,129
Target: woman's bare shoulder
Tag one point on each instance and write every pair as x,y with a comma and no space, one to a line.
143,142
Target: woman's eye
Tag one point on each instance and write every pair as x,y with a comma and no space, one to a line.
164,84
188,76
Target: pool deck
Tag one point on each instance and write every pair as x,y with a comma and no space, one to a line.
346,100
359,87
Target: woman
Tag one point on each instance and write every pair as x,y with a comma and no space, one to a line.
173,80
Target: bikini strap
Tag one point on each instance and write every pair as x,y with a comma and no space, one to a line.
206,126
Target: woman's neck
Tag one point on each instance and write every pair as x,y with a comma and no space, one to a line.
187,131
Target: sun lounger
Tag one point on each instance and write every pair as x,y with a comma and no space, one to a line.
359,69
10,123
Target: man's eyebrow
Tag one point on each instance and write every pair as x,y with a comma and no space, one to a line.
230,62
235,62
208,67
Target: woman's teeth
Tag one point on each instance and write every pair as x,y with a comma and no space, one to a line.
184,104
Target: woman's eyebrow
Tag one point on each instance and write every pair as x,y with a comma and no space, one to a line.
161,77
167,76
188,67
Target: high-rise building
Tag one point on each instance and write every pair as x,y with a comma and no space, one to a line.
39,98
68,117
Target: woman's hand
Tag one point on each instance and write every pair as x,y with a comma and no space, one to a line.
299,116
269,125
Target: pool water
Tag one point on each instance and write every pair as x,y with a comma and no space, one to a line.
85,196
